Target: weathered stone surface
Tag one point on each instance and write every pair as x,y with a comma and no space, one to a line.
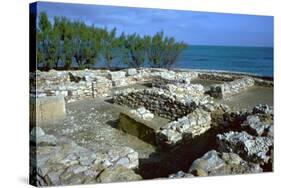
123,156
210,161
185,89
185,128
143,113
254,149
47,109
263,109
214,163
66,163
118,174
117,75
137,126
231,88
159,101
75,85
36,132
46,140
131,72
217,76
255,126
180,174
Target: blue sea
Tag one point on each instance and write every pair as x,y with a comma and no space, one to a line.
255,60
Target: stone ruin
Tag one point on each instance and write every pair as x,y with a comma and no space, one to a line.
185,128
231,88
60,161
188,109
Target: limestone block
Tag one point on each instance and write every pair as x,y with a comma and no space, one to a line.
46,109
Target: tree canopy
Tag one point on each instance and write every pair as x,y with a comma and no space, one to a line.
66,43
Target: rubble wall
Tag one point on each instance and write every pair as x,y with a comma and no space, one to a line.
156,101
228,89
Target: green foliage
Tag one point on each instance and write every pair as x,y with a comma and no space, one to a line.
66,41
109,45
163,51
135,52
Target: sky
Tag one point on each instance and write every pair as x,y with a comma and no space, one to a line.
194,28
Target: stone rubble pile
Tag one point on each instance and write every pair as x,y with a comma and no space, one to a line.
142,113
255,141
263,109
255,126
185,128
60,161
248,151
216,163
231,88
254,149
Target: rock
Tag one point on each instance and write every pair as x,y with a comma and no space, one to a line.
142,113
210,161
180,174
251,148
231,158
36,132
76,169
263,109
254,125
214,163
118,174
124,156
46,140
52,178
131,72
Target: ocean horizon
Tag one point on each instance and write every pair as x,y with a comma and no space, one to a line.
253,60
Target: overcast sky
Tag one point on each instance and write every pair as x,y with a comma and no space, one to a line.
199,28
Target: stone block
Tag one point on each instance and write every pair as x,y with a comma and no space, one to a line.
117,75
131,72
46,109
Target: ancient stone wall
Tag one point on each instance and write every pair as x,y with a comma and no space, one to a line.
98,83
157,101
228,89
185,128
218,77
83,83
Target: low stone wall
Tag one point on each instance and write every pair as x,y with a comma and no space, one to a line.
46,109
231,88
218,77
160,102
98,83
185,128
